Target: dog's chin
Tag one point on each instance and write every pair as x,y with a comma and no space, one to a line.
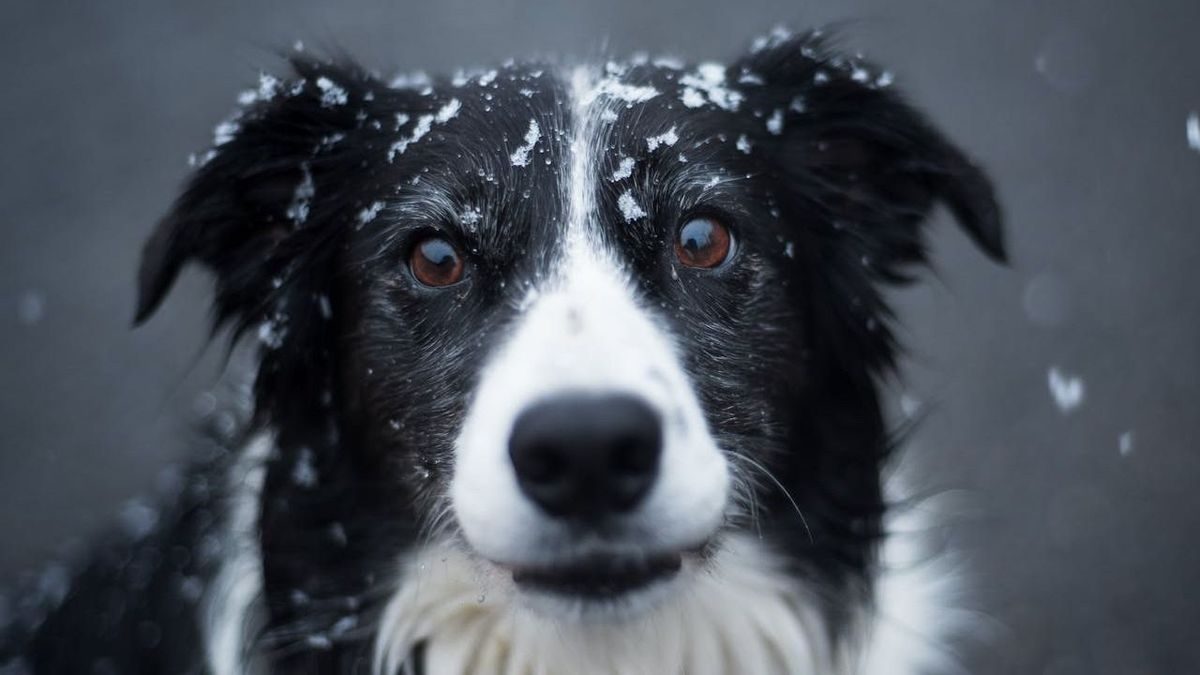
601,586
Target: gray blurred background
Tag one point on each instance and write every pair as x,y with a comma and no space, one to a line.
1083,513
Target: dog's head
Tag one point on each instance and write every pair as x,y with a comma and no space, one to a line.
585,323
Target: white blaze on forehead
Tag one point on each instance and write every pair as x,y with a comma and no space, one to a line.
582,330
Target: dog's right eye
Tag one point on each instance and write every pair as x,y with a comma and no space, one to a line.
436,262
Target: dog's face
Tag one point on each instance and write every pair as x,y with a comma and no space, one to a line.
584,323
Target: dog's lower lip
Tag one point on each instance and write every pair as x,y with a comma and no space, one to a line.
600,576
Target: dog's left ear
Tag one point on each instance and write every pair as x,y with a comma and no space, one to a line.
858,156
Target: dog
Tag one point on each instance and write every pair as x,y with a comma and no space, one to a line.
560,370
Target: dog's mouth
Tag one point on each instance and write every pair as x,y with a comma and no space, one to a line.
600,577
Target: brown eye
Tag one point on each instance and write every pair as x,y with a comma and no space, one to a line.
436,262
703,242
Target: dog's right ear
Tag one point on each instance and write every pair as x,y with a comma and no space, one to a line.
248,213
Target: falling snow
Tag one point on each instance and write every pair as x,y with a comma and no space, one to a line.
1193,131
137,518
520,156
743,144
629,207
669,137
1067,390
624,169
31,307
1125,443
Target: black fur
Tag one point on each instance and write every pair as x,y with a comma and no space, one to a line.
368,373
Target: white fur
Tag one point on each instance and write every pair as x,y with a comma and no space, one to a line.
743,613
231,610
918,611
583,331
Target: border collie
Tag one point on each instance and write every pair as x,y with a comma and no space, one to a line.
561,370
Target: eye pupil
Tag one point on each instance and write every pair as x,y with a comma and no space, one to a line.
436,262
703,243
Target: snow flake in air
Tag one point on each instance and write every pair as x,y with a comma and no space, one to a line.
630,209
743,144
1193,131
1125,444
1067,390
138,519
31,307
520,156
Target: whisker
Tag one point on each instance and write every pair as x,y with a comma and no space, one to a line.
758,465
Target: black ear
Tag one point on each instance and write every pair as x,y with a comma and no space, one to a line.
249,210
861,157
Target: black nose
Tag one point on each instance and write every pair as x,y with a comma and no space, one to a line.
586,456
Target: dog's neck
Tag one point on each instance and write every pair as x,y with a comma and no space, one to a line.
742,613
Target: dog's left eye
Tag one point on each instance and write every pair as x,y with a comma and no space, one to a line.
703,242
435,262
